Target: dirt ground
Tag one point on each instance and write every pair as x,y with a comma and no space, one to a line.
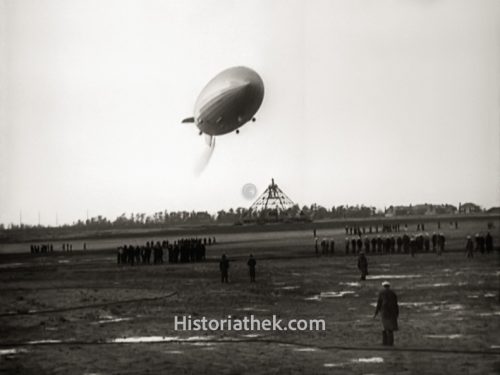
80,313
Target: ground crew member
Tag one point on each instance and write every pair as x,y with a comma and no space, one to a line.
469,247
224,268
363,264
387,305
251,267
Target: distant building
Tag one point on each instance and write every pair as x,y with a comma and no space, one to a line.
494,210
420,209
468,208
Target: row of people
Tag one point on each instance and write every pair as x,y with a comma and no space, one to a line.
360,230
386,244
384,228
41,248
49,248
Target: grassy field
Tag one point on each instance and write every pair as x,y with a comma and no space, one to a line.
80,313
247,236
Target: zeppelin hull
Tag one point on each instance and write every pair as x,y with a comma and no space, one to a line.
229,101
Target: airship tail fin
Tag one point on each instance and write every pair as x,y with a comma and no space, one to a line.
189,119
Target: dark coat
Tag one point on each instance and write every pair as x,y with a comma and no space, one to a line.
363,263
224,266
387,305
251,263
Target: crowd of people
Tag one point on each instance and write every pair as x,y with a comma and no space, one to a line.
184,250
482,244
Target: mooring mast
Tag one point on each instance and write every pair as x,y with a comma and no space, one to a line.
272,198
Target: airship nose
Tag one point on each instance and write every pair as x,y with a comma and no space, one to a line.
238,90
247,88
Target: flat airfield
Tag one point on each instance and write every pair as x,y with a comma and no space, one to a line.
81,313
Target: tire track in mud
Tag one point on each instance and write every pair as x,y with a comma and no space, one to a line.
89,306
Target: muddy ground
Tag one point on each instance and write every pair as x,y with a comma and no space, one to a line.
80,313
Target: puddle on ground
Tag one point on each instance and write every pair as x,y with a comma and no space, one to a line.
35,342
145,339
296,274
368,360
305,350
197,338
455,306
150,339
11,265
291,287
113,320
412,304
490,313
495,347
490,295
473,296
63,261
451,337
333,364
12,351
430,305
379,277
251,335
340,294
350,284
313,298
251,309
436,285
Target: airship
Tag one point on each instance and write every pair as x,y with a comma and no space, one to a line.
227,102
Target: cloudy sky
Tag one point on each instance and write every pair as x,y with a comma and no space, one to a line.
375,102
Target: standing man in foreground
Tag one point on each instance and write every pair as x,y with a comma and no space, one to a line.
387,304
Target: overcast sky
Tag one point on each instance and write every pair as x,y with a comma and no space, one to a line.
375,102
